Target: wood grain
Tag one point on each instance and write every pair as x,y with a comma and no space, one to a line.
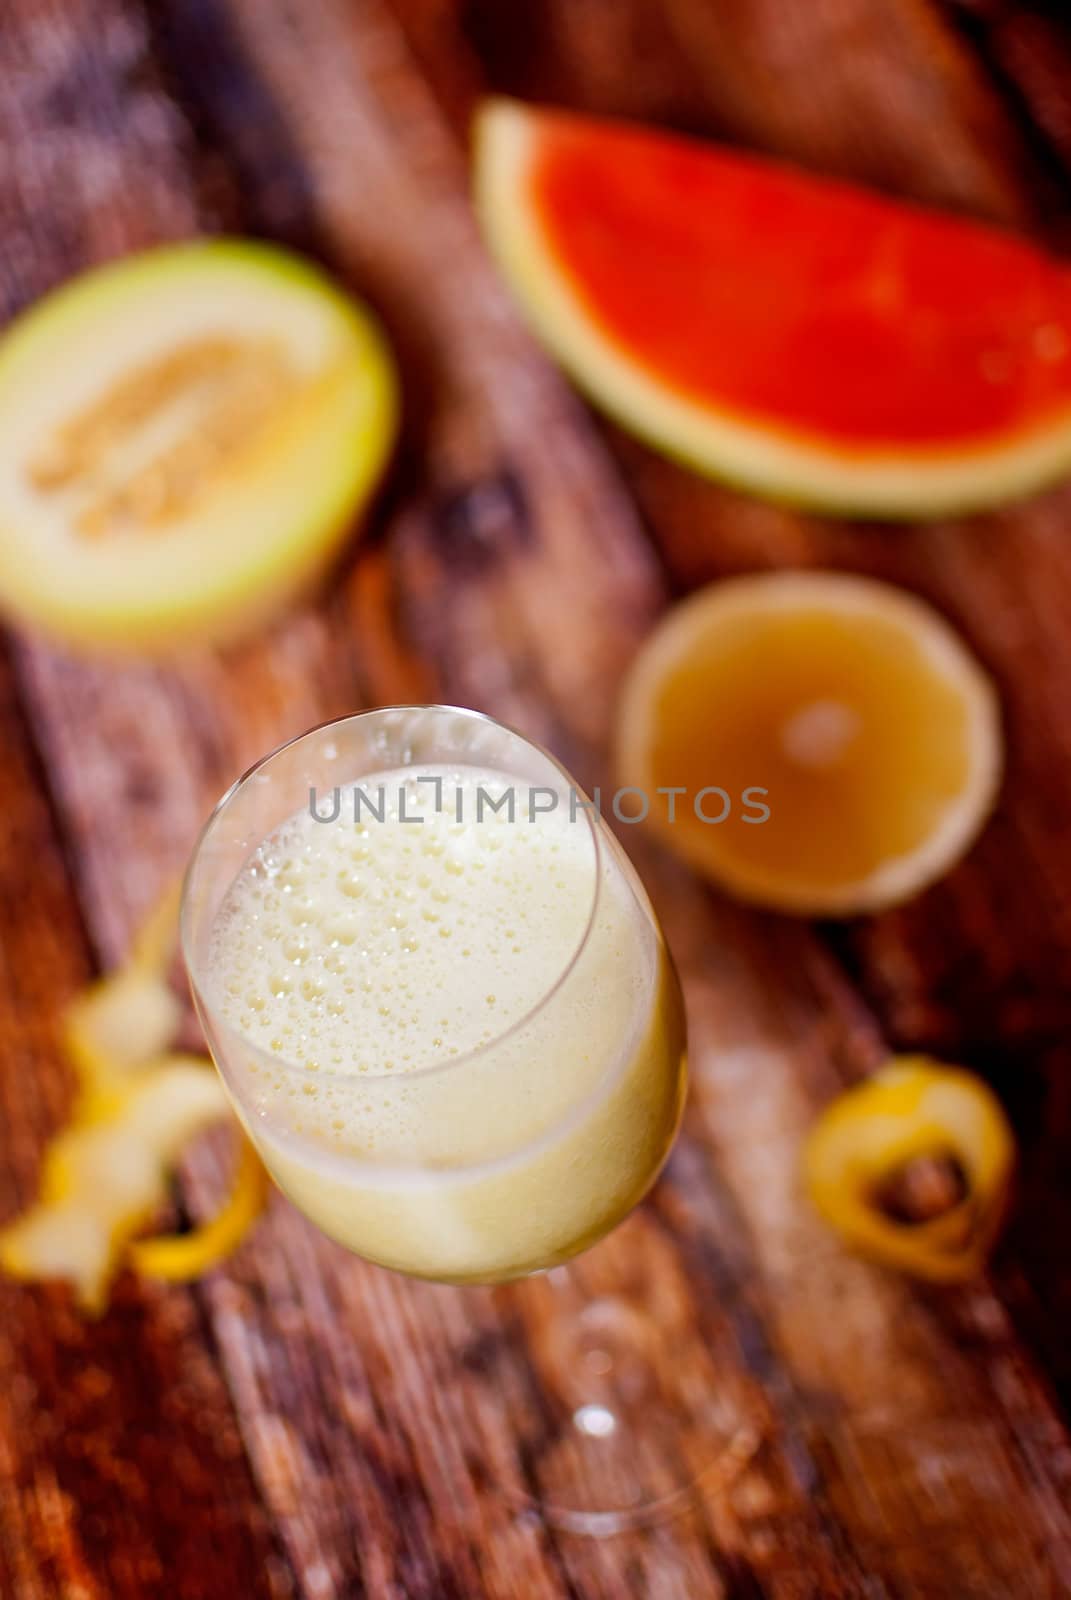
358,1434
979,969
120,1458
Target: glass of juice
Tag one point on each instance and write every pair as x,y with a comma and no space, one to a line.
445,1012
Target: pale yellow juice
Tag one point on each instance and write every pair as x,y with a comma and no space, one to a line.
455,1036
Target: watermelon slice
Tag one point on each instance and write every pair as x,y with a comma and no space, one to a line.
805,338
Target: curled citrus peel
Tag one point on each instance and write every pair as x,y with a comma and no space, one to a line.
118,1025
913,1168
178,1257
131,1016
106,1173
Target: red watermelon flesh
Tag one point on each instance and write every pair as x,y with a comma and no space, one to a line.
813,304
786,329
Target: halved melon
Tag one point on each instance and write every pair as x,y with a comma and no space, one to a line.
185,438
806,338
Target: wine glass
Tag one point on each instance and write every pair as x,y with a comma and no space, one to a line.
445,1013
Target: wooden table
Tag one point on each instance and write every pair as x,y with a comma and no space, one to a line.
299,1423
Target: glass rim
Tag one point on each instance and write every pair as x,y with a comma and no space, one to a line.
278,1062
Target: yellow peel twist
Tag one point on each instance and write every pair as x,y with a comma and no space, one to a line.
913,1108
177,1258
106,1173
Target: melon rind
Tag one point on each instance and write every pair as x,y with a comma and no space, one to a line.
888,484
271,533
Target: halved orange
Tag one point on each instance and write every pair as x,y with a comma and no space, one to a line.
834,744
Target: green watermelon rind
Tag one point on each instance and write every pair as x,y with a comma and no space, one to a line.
780,467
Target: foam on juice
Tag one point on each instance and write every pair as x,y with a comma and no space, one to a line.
382,946
411,1085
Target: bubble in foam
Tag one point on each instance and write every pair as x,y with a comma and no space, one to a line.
319,927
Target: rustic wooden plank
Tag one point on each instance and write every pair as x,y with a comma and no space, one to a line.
120,1458
985,1312
1027,48
979,968
344,1483
872,89
381,1417
346,1490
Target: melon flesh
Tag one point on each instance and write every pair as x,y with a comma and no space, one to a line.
806,338
185,438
